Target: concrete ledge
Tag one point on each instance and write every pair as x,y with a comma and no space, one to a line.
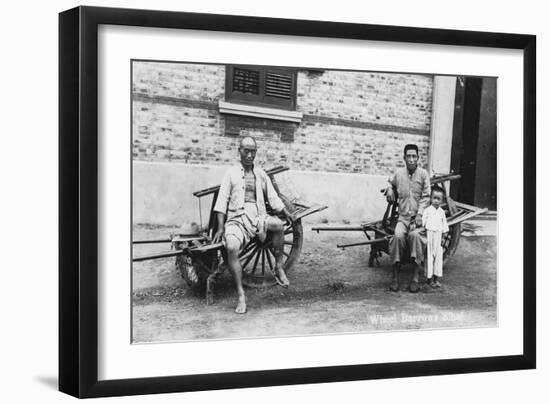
260,112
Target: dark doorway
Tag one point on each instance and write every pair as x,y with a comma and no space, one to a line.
474,142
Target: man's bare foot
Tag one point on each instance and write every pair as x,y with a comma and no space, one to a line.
394,285
413,287
241,305
281,278
209,297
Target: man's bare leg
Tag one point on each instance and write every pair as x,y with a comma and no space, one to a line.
416,245
413,287
233,247
397,246
394,286
275,226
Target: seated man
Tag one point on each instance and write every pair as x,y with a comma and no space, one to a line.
241,214
412,184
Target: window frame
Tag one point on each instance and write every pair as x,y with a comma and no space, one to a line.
261,99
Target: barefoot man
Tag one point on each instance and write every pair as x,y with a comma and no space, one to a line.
241,214
412,184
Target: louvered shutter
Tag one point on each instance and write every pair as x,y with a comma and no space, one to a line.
280,87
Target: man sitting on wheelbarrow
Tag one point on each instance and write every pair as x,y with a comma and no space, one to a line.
241,214
412,185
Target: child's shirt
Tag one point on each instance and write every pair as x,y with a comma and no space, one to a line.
434,219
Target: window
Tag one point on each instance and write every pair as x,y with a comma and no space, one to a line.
261,85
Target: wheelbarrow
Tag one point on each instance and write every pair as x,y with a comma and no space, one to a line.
379,233
200,261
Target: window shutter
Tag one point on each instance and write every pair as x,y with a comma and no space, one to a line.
278,85
246,81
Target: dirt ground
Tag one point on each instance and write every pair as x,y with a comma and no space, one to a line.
332,291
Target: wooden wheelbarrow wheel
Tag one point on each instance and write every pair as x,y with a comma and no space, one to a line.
450,242
195,268
258,259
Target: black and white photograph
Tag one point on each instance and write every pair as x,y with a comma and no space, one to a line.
276,201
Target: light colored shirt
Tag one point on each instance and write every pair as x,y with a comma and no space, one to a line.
434,219
231,195
413,192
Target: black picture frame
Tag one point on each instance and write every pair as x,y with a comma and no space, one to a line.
78,200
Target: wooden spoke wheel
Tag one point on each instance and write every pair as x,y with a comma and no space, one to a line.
450,241
188,271
258,259
195,268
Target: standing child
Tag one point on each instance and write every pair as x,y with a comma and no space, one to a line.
435,223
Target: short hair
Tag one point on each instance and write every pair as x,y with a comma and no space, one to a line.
245,138
410,147
437,188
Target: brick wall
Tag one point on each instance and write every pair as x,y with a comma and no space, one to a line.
179,80
353,121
